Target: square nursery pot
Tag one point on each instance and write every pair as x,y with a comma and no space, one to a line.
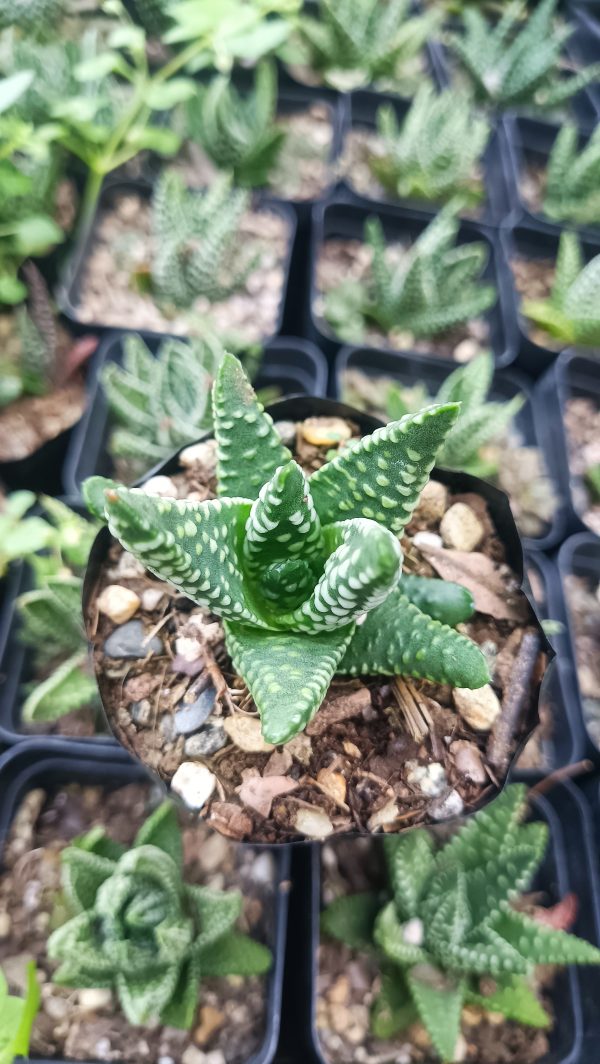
69,288
362,114
40,471
31,765
342,219
409,369
528,143
295,366
566,868
579,556
534,243
520,696
573,376
16,671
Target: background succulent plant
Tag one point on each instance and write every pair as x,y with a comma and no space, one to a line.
31,16
292,564
18,1014
139,929
571,313
572,192
434,286
456,930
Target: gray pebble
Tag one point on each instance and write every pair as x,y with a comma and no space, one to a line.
190,716
141,712
167,727
208,741
127,641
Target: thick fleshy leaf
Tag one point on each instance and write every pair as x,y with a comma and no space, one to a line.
390,936
215,911
97,841
195,546
358,576
411,862
514,998
161,829
287,673
249,448
76,945
393,1009
350,919
181,1009
396,639
540,944
452,920
382,476
441,599
67,688
82,874
235,954
439,1000
144,996
493,831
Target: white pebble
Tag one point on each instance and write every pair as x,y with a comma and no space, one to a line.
161,486
313,823
461,528
92,1000
429,779
194,784
413,932
151,598
479,708
428,539
119,603
450,805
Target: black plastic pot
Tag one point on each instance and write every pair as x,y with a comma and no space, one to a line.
295,366
299,408
578,556
68,290
572,376
31,765
565,868
410,370
529,242
40,471
362,113
340,218
529,141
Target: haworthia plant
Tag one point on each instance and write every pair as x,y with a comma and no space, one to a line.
305,573
237,130
159,402
31,16
454,930
571,313
17,1014
143,932
514,63
435,285
572,192
436,152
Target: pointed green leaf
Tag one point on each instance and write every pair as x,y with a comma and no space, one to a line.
439,1001
396,639
68,688
235,954
540,944
382,476
515,999
216,912
493,831
249,448
287,673
144,996
390,935
452,918
350,919
161,829
94,491
411,861
393,1009
181,1010
82,874
97,841
440,599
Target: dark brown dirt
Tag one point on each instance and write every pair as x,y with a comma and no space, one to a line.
380,753
68,1026
30,422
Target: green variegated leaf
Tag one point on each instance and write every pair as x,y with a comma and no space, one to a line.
69,687
235,954
493,831
539,944
439,999
452,918
287,673
350,919
161,829
411,862
391,937
82,875
144,996
249,448
393,1009
181,1010
216,913
382,476
513,998
396,639
441,599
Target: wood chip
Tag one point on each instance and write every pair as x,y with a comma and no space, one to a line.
313,823
279,763
258,792
230,820
333,784
245,732
482,577
341,708
300,747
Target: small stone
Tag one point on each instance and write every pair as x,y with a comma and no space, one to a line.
333,784
210,632
428,539
313,823
194,784
432,501
141,712
211,1019
103,1048
93,1000
5,925
119,603
57,1008
351,749
128,641
339,991
161,486
341,1018
287,432
152,598
187,648
428,779
478,708
451,804
466,350
460,527
300,747
259,793
245,733
461,1050
203,454
206,742
468,761
193,1055
190,716
413,932
279,763
325,431
384,816
167,726
262,869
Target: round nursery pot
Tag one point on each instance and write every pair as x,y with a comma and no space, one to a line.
565,872
50,797
365,760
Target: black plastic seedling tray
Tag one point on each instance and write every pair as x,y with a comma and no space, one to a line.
68,289
531,242
362,114
573,375
30,765
295,366
410,370
578,556
341,218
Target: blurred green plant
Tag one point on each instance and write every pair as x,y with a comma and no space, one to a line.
571,312
572,192
17,1015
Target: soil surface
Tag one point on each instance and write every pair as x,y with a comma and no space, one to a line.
88,1025
522,471
582,422
348,981
381,753
533,279
532,185
583,601
341,260
123,245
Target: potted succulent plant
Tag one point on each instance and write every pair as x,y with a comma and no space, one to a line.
236,728
140,919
